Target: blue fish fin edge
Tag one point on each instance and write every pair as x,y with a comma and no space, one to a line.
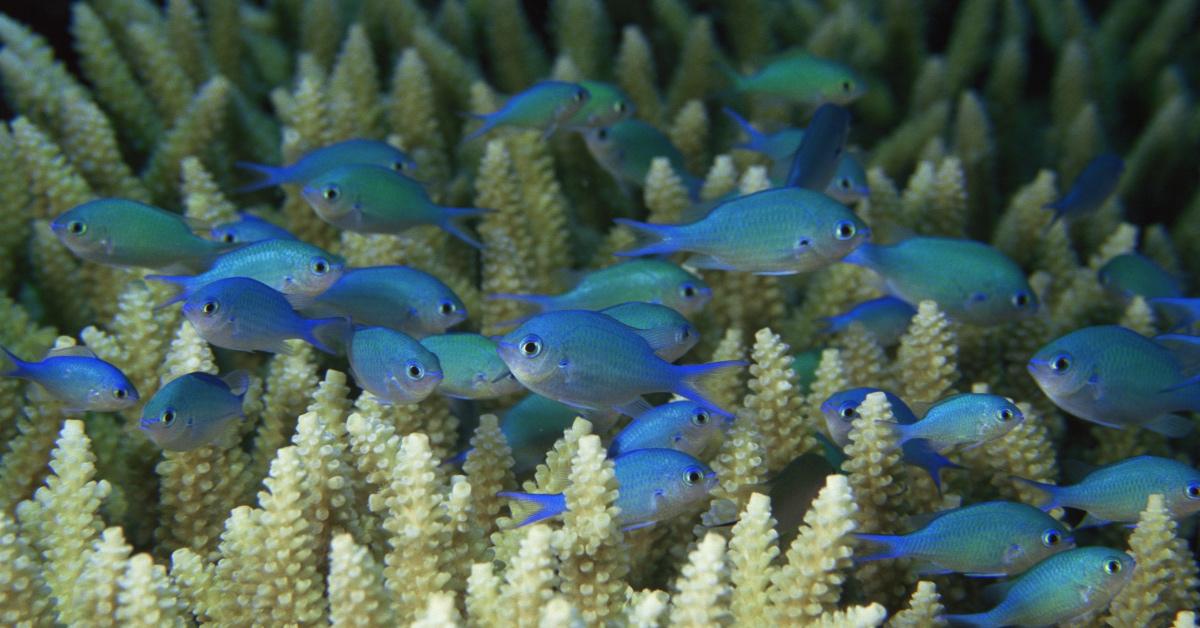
976,620
331,335
1170,425
460,458
1051,491
271,176
20,367
696,381
889,544
534,507
457,231
238,382
651,239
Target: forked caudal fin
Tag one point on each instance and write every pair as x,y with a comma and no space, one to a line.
890,547
1053,493
330,335
271,176
458,213
534,507
19,365
696,381
180,281
651,239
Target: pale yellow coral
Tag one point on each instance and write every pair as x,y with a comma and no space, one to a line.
775,402
411,113
529,581
927,358
489,469
203,199
689,133
1165,579
147,598
752,550
24,596
666,197
636,75
356,594
702,588
354,89
924,609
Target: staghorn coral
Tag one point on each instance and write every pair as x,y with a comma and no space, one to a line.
1165,580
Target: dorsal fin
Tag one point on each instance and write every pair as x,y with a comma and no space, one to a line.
238,382
75,351
1185,348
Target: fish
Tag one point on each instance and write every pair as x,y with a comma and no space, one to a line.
393,366
988,540
1134,275
804,365
78,379
779,146
194,409
531,427
607,105
841,409
670,334
654,485
247,315
1090,189
969,419
971,282
1116,377
1118,492
781,231
1183,313
684,426
325,158
397,297
1062,587
803,78
471,367
588,360
373,199
125,233
885,318
288,266
547,106
627,148
816,159
649,281
248,228
793,490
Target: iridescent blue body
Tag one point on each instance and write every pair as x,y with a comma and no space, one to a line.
194,409
77,379
647,280
886,318
684,426
547,106
1116,377
288,266
471,367
1062,587
989,539
970,281
1182,313
824,144
589,360
668,332
393,366
1091,188
247,315
399,297
249,228
320,160
1118,492
1131,274
780,231
627,148
532,426
653,485
969,419
121,232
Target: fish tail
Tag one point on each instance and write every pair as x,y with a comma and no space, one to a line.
830,324
181,281
271,176
459,458
697,381
534,507
892,546
238,382
489,123
754,137
975,620
1053,493
457,231
328,334
20,367
652,239
922,454
863,255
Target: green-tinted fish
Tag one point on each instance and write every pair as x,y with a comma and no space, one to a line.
803,78
248,228
1065,586
288,266
970,281
193,410
969,419
471,368
649,280
532,426
373,199
1133,275
988,540
326,158
121,232
547,105
627,148
684,426
392,366
804,365
669,333
399,297
1118,492
780,231
607,105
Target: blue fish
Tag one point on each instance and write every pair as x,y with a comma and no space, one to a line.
1182,312
547,105
655,485
1118,492
78,379
1116,377
684,426
969,419
886,318
397,297
990,539
816,160
471,367
194,410
319,160
248,228
627,150
589,360
668,332
1090,189
646,280
1132,275
393,366
778,146
247,315
532,426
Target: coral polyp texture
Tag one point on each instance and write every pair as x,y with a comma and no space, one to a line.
1015,171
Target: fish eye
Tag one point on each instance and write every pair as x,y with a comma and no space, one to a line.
1021,299
76,227
1005,415
399,166
320,266
1061,363
602,134
228,238
120,393
844,230
692,475
1192,491
620,106
446,308
685,332
531,346
701,417
414,371
1112,566
848,411
1050,538
168,417
688,290
330,192
845,183
579,95
847,86
210,307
